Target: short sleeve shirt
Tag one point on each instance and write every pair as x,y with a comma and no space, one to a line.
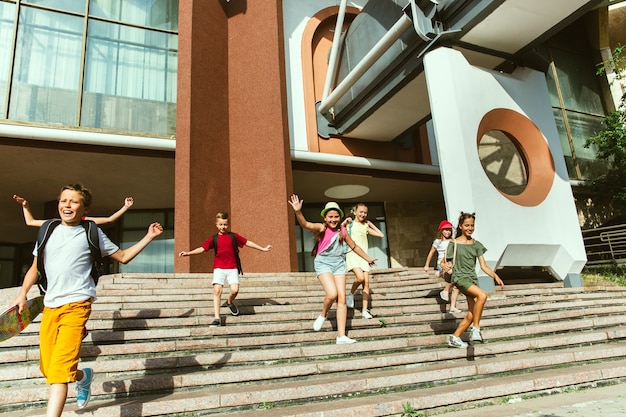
67,262
465,260
225,256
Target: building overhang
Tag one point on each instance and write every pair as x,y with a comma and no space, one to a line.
390,97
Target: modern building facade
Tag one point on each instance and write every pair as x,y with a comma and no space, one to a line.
194,107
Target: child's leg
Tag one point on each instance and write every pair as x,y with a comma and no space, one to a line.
327,280
234,290
57,395
454,298
366,290
342,308
467,320
61,334
217,298
480,298
358,279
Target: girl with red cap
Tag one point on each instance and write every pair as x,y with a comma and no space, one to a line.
440,244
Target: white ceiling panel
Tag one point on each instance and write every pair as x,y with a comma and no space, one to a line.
516,23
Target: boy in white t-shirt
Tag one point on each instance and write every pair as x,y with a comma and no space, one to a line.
70,293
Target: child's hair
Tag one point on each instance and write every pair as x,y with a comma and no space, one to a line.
462,218
356,207
440,235
221,215
84,192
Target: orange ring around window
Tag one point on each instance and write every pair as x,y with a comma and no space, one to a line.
531,144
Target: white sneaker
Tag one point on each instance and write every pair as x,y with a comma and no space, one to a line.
319,322
445,296
475,334
350,300
366,314
345,340
456,342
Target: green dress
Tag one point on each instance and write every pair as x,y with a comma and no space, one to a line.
464,270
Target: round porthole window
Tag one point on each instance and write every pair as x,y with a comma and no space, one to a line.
502,162
515,156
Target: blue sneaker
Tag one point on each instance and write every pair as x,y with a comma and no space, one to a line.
83,389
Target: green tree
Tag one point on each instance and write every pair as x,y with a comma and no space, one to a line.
610,144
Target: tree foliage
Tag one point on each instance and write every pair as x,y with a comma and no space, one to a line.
610,143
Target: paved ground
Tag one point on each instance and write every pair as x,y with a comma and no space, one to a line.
608,401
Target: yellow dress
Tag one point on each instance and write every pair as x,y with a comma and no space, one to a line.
358,232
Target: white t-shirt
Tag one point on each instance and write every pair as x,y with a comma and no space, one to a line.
441,246
67,261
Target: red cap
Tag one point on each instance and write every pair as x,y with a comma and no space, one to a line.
444,225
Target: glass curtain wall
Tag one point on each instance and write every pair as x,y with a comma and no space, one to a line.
157,256
576,98
101,64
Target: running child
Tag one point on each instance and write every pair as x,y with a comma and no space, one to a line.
358,229
225,264
464,277
70,292
330,261
440,244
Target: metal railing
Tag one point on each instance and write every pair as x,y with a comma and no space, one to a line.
605,245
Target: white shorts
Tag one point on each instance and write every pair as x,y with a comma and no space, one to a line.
221,275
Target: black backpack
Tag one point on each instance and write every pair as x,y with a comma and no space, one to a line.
91,230
235,246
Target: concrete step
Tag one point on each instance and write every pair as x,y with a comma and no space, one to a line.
380,393
144,355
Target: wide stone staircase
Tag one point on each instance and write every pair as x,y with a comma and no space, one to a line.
154,353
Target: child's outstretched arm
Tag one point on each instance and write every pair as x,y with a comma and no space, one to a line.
359,251
489,271
126,255
253,245
429,257
296,204
196,251
372,230
28,216
128,202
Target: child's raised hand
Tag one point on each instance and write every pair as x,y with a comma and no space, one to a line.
20,200
295,202
266,248
128,202
154,230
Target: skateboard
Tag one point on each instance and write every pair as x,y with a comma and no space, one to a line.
12,322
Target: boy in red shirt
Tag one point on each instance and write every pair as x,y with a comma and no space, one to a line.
225,265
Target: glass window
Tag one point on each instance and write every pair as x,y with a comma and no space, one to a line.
578,82
162,14
130,79
47,67
158,256
77,6
7,17
584,126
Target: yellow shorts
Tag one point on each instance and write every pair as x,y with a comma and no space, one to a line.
60,337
